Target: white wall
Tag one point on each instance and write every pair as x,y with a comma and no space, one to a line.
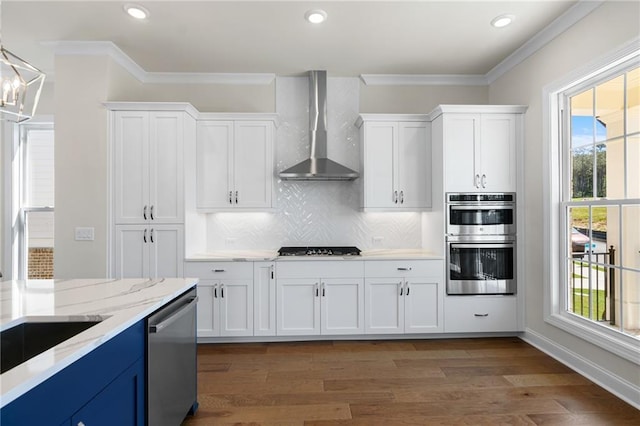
608,27
418,99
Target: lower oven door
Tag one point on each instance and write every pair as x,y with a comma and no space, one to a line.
481,267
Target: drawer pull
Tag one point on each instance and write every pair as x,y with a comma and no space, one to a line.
218,270
480,315
404,269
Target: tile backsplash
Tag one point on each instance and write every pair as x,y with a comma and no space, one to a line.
315,213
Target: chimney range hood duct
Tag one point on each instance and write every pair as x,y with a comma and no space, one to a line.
318,166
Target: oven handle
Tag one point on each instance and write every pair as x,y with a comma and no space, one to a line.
480,207
482,245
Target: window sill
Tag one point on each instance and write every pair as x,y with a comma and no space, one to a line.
610,340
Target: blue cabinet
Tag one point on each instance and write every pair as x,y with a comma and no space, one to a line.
105,387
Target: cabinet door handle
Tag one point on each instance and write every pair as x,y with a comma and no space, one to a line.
323,287
144,212
230,197
401,197
400,285
215,291
317,290
218,270
484,180
395,197
222,291
403,269
144,236
408,288
480,315
151,211
236,197
272,273
151,235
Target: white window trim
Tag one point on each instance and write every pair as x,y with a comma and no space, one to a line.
622,345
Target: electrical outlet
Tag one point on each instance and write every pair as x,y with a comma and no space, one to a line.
377,241
85,234
230,242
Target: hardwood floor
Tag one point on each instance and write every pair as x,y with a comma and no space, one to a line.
406,382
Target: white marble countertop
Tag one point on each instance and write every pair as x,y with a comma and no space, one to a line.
272,255
120,303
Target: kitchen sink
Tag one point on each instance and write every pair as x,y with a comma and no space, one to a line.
28,339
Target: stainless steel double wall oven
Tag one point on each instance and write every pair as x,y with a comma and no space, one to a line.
481,243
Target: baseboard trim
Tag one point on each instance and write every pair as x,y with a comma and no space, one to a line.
618,386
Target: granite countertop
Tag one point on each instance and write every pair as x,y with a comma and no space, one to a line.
271,255
119,303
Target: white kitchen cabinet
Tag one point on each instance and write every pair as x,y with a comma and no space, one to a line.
395,162
148,166
225,298
470,314
149,251
234,165
329,303
264,299
404,297
479,145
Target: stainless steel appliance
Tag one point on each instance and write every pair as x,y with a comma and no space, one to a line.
319,251
481,243
481,265
172,362
481,214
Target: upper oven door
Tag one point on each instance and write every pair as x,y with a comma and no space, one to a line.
480,220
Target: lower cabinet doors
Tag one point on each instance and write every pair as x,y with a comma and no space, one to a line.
307,306
225,308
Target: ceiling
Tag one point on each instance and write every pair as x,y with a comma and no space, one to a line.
359,37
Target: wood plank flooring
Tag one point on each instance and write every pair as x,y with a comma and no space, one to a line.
487,381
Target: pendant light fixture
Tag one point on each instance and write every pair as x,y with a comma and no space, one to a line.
20,86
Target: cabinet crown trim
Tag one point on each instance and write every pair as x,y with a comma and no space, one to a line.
477,109
362,118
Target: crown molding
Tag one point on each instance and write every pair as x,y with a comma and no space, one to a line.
108,48
537,42
423,80
557,27
551,31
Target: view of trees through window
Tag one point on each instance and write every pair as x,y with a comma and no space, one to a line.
602,202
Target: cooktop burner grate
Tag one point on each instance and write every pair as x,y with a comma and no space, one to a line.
319,251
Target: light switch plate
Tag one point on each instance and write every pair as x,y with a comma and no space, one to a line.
84,234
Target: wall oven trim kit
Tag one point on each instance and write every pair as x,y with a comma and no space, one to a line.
481,244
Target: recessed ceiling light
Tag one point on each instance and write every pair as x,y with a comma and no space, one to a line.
136,11
316,16
502,21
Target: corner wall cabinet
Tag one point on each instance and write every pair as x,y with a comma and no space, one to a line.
234,164
395,162
225,298
320,298
480,144
404,297
147,141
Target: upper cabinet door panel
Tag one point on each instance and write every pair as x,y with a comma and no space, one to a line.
498,154
414,164
214,150
166,167
460,140
252,164
131,152
380,155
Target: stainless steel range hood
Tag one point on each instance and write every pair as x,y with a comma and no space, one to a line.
318,166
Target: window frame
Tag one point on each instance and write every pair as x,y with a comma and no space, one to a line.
556,174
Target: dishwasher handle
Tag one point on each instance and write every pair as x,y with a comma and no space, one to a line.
157,328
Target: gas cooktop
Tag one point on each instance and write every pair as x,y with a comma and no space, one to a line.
319,251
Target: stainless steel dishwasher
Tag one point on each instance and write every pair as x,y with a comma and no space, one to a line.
172,362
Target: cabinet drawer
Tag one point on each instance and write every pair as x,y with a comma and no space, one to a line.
480,313
403,269
217,270
320,269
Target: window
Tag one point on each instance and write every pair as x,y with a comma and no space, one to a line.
593,193
35,241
